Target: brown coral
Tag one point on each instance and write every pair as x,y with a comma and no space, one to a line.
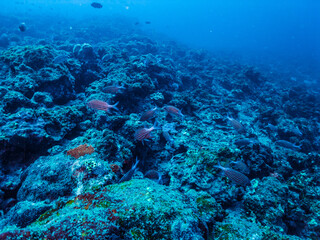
81,150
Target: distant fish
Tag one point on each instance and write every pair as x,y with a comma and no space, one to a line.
143,134
173,111
101,105
148,114
243,142
22,27
289,145
60,59
166,130
96,5
236,125
106,57
235,176
168,137
272,127
114,89
130,173
154,175
241,166
147,22
296,131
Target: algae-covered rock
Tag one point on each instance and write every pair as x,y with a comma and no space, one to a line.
138,209
14,100
238,226
34,56
61,120
84,51
47,178
25,212
268,203
43,99
58,82
23,83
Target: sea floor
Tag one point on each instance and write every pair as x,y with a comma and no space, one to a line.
224,150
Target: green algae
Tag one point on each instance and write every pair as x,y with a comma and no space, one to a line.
103,204
90,164
145,209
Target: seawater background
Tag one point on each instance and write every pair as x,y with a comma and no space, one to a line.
282,32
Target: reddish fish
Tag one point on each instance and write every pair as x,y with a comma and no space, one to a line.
235,176
173,111
143,134
101,105
114,89
148,114
236,125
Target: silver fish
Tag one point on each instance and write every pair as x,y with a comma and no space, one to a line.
130,173
60,59
243,142
241,166
296,131
289,145
236,125
154,175
168,137
272,127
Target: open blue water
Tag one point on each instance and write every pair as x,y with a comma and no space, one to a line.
285,31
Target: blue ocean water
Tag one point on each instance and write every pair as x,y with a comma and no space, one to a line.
158,119
270,31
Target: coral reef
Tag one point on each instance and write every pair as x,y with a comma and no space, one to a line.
62,159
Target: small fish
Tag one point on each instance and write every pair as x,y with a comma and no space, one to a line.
147,22
289,145
114,89
168,137
143,134
22,27
296,131
241,166
130,173
272,127
235,176
101,105
154,175
60,59
236,125
106,57
243,142
96,5
148,114
173,111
